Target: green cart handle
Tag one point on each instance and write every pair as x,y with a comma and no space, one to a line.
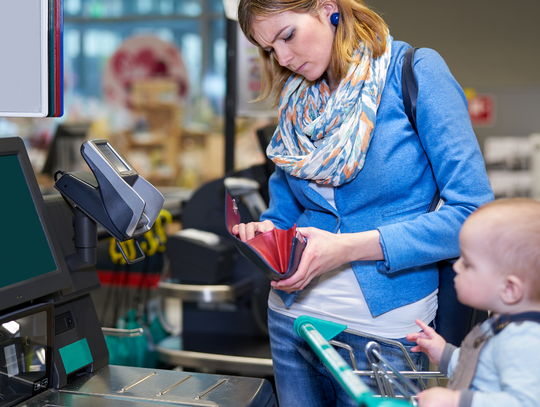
308,328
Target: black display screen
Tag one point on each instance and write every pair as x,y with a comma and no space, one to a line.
27,253
32,264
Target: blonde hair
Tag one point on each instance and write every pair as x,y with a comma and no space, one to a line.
514,238
357,22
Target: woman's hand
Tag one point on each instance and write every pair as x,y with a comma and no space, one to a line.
246,231
325,251
428,341
439,397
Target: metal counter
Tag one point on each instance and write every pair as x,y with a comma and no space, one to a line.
119,386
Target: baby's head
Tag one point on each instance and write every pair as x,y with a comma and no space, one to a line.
499,267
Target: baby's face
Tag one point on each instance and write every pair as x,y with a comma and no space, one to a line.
479,279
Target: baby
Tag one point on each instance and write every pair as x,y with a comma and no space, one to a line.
498,363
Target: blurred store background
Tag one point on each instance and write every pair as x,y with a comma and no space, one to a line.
169,84
151,76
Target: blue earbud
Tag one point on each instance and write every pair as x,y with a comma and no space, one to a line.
334,19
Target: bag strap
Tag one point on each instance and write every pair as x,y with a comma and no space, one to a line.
409,90
409,87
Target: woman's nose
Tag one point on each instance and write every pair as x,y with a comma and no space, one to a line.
282,56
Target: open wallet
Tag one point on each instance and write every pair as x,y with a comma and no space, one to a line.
276,253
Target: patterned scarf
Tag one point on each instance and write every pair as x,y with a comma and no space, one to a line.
341,125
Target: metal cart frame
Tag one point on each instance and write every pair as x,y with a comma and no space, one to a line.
319,333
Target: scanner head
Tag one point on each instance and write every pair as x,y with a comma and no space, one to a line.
122,201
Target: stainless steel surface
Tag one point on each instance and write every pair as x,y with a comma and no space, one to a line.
211,389
205,293
169,352
172,386
119,386
122,332
124,389
54,398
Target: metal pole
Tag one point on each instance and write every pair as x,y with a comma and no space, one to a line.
230,97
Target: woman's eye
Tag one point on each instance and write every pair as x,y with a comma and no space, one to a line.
289,37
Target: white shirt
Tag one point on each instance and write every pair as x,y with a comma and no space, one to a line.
336,296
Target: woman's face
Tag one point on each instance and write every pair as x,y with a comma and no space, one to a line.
300,42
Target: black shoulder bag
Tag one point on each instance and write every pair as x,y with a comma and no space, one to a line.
454,320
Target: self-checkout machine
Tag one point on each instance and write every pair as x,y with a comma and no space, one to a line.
52,349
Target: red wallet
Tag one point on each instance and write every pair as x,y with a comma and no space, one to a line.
276,252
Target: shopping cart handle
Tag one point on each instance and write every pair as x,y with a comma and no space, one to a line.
393,403
327,329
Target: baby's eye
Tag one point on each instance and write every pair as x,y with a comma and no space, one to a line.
461,263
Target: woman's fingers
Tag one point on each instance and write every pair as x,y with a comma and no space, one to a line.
297,282
265,226
246,231
242,231
310,264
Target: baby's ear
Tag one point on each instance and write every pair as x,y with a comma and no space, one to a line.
513,290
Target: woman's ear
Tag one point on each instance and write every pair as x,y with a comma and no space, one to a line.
329,7
513,290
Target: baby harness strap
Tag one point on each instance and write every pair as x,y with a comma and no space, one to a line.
471,347
504,319
473,344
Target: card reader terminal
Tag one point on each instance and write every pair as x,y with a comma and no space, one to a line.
114,194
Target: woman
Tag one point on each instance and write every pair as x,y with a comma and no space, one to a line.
356,179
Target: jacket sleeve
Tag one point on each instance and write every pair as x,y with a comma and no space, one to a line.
284,209
450,144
